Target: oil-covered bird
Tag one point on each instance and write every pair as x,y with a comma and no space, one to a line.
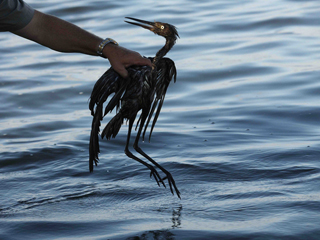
143,92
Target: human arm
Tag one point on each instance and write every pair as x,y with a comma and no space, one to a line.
63,36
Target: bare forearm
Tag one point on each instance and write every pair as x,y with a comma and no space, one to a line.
59,35
63,36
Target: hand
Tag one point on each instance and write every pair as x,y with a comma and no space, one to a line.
120,58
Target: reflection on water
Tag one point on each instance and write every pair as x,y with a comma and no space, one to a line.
176,217
238,131
160,234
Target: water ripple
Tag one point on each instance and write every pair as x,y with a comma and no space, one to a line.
238,130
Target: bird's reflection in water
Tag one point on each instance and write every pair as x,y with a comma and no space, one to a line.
176,217
163,234
157,234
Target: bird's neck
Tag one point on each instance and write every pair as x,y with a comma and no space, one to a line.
162,52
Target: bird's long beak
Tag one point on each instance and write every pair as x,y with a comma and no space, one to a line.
146,24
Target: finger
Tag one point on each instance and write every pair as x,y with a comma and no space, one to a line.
145,61
139,61
122,71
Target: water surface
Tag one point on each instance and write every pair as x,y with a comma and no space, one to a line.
239,130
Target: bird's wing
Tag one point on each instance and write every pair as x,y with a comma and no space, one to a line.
166,71
110,82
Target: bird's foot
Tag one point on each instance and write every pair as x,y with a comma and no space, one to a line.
172,183
156,176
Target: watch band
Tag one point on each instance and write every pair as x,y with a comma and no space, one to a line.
104,43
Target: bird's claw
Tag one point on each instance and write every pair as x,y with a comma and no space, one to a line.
171,183
156,176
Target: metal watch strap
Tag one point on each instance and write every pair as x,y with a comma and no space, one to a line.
104,43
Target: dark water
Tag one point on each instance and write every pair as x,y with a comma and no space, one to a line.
239,130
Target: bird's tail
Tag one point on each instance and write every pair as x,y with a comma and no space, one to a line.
113,127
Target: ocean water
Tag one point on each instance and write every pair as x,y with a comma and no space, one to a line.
239,130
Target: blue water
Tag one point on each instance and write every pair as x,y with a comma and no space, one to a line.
239,130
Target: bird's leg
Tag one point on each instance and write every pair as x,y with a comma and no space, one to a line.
139,150
154,172
149,118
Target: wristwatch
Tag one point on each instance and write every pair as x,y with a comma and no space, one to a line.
104,43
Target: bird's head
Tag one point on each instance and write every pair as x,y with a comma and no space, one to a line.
165,30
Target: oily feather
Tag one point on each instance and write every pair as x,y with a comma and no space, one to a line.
128,96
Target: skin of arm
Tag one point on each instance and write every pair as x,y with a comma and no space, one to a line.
63,36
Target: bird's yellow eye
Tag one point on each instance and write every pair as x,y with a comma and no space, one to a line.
162,27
